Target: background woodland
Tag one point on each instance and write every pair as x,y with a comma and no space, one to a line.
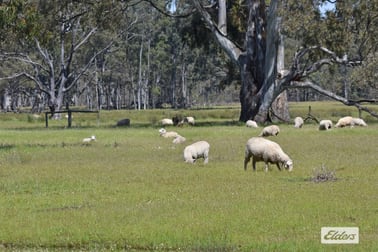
160,54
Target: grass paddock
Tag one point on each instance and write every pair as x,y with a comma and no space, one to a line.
131,190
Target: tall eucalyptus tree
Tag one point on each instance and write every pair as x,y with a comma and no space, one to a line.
256,58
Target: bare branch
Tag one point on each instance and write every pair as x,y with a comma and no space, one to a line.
231,48
86,67
47,58
28,76
313,85
84,39
22,58
302,69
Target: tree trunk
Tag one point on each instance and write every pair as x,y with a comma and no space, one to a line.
258,63
280,106
253,64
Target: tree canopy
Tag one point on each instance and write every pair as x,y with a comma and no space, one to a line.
147,54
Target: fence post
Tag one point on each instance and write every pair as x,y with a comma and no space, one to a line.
46,119
69,118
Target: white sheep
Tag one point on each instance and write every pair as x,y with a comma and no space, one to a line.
179,139
325,124
197,150
344,121
166,122
359,122
261,149
251,124
164,133
271,130
298,122
189,120
89,139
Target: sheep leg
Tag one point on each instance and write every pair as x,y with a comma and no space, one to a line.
246,160
254,164
266,166
206,160
278,166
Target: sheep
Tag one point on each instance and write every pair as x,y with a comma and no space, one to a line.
298,122
359,122
179,139
164,133
262,149
271,130
325,124
251,124
344,121
89,139
166,122
178,120
350,121
197,150
189,120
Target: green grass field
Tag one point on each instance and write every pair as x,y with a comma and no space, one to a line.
131,190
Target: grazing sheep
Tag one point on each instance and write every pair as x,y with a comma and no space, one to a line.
177,120
251,124
359,122
166,122
325,124
344,121
89,139
164,133
261,149
271,130
189,120
197,150
179,139
298,122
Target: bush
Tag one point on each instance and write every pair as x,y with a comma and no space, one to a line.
323,175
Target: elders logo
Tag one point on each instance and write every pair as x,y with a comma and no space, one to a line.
339,235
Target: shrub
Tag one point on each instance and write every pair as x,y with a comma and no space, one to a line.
323,175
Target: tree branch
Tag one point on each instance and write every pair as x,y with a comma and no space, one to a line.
313,85
28,76
232,50
77,46
300,67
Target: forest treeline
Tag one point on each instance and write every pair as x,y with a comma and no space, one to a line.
155,54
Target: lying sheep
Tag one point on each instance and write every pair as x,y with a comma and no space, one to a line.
179,139
359,122
164,133
271,130
251,124
166,122
344,121
325,124
261,149
298,122
197,150
89,139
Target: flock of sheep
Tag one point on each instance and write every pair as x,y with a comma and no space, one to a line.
260,149
192,152
257,148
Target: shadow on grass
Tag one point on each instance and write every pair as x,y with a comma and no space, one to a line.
6,146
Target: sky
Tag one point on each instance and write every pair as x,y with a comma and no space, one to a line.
327,6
